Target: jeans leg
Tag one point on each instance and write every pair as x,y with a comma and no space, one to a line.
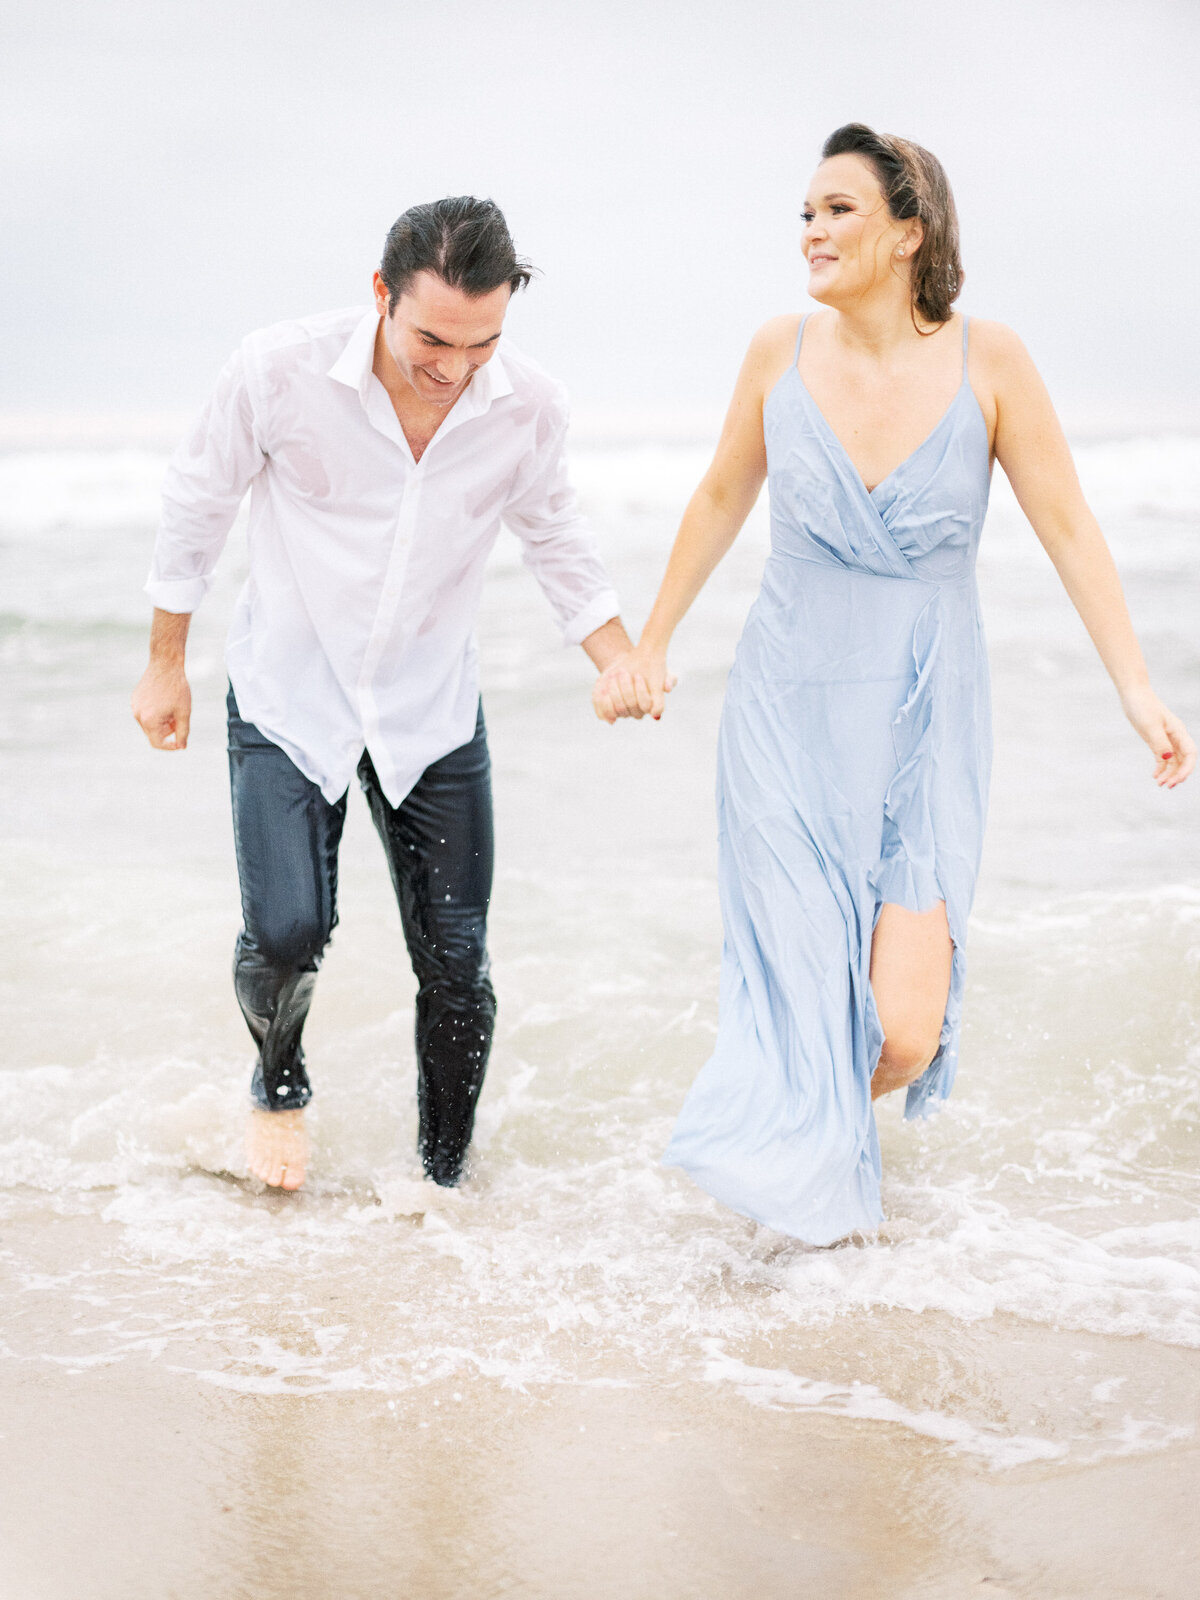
286,835
439,846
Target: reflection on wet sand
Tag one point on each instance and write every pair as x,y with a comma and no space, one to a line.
169,1488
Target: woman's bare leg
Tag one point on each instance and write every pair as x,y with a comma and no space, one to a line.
911,956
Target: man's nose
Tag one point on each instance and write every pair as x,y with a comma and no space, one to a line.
453,366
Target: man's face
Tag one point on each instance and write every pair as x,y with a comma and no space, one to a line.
437,337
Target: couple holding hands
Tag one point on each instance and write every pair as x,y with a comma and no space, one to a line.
382,451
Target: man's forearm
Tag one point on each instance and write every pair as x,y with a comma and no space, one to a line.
606,643
162,701
168,637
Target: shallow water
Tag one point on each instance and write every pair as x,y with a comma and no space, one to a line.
1033,1300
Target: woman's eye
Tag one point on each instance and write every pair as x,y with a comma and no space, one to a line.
807,216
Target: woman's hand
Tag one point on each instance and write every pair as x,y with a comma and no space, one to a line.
1174,749
634,685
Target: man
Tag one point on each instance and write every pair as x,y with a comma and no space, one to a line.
382,451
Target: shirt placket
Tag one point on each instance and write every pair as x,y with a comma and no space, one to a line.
383,629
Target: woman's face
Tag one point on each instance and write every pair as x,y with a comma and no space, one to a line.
852,243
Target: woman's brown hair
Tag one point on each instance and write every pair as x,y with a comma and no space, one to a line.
914,184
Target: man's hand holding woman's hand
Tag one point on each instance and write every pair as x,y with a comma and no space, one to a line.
636,684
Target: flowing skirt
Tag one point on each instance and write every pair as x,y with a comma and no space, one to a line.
852,771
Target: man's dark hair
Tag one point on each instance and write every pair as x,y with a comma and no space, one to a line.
464,240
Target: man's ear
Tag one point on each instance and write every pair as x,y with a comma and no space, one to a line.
383,300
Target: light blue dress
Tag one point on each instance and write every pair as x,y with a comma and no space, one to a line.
852,770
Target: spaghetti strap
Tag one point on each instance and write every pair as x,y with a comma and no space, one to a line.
799,336
966,326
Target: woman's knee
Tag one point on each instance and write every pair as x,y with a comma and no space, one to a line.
906,1054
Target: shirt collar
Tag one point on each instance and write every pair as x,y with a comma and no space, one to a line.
355,365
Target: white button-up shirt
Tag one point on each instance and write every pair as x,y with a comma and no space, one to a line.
355,627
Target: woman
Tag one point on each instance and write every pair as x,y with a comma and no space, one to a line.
855,742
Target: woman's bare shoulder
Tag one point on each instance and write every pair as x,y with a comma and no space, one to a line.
996,343
772,348
776,334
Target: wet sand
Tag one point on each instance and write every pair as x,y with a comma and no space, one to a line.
136,1482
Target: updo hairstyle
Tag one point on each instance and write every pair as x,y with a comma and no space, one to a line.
914,184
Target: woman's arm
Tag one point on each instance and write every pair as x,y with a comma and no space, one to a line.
1032,449
636,683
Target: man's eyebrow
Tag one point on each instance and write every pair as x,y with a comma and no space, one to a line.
434,339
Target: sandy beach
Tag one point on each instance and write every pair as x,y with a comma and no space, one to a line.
137,1482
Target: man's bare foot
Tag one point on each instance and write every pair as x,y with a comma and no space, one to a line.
277,1147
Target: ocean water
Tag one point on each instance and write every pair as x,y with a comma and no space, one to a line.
1034,1296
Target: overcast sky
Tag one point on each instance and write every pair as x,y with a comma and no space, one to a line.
176,174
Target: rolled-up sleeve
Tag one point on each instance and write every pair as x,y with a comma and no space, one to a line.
205,482
557,544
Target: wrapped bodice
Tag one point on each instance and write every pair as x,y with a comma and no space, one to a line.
922,521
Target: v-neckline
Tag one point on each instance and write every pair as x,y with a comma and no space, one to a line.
828,426
846,456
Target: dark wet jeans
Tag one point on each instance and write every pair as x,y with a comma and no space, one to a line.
439,847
